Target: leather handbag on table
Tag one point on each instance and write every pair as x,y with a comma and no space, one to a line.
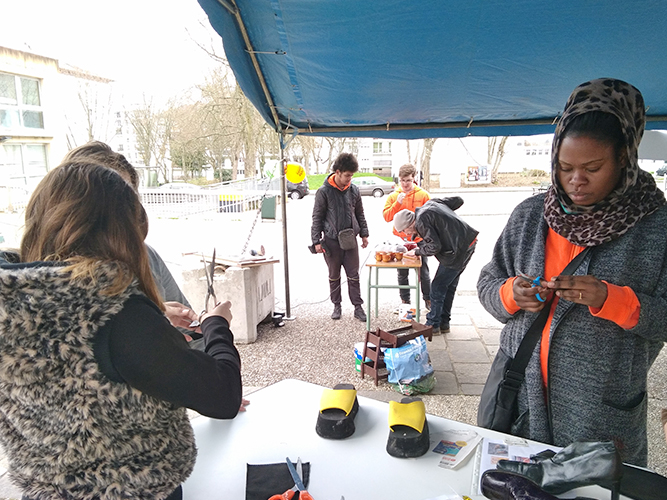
498,403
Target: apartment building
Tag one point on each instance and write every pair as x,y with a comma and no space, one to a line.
46,108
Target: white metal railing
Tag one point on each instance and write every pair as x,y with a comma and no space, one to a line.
233,197
13,198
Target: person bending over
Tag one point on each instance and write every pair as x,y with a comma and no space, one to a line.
452,241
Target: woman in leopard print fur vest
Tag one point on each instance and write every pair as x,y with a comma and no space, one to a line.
93,377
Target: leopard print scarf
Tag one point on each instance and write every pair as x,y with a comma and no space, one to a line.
636,194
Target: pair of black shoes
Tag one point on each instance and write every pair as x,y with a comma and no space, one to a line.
358,313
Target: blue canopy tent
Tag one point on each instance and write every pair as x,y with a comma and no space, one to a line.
435,68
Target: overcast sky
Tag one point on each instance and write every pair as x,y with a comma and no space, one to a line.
145,45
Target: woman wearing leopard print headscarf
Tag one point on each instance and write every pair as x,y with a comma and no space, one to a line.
586,380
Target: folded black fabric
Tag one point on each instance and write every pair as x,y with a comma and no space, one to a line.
265,480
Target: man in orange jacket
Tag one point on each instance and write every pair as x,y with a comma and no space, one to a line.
409,196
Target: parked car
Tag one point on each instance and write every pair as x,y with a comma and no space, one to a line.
375,186
661,171
297,191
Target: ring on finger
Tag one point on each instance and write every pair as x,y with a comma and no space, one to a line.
580,296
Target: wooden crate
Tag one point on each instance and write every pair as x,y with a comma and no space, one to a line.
376,367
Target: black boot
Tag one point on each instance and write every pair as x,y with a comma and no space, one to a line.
336,312
579,464
359,313
498,485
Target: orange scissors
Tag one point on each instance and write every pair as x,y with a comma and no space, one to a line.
298,483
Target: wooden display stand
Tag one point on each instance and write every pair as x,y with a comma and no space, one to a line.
376,367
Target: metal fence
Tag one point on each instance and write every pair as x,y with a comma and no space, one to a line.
234,197
13,198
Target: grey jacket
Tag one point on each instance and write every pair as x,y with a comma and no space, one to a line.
335,210
597,370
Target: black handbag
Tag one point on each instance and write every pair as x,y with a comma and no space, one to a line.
347,239
498,403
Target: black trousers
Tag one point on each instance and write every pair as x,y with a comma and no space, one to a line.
424,278
336,258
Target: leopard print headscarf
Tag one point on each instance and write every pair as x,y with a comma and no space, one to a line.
636,194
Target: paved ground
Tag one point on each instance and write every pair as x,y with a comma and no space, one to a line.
314,348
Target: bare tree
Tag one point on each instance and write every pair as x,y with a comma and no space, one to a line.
425,164
336,147
268,147
495,153
187,146
153,128
88,117
233,127
305,149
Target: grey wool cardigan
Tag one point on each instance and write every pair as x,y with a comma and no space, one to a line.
597,370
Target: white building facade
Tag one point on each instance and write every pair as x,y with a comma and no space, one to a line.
46,109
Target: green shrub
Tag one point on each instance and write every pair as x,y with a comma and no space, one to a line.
315,181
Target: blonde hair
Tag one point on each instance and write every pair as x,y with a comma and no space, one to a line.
85,214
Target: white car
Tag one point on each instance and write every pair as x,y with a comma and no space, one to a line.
372,185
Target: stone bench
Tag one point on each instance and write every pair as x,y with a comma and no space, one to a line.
248,285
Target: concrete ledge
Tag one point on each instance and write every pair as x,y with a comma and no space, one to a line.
249,289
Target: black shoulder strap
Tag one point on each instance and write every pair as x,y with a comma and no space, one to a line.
517,368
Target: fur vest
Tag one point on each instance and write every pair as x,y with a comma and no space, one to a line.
70,432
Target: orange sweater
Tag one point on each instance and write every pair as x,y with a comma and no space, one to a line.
622,305
414,199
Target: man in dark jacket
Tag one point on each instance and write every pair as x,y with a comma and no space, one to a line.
451,240
338,217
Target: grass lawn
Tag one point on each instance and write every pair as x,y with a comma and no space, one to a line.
316,180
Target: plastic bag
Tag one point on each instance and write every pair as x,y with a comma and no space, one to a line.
410,366
420,386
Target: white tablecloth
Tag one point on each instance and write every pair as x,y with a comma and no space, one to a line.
280,422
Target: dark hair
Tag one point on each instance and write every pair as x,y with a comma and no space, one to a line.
346,162
598,125
83,213
100,153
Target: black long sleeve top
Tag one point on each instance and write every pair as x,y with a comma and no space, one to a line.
140,347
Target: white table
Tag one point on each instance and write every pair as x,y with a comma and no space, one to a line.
280,422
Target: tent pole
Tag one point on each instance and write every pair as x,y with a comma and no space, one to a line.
283,206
